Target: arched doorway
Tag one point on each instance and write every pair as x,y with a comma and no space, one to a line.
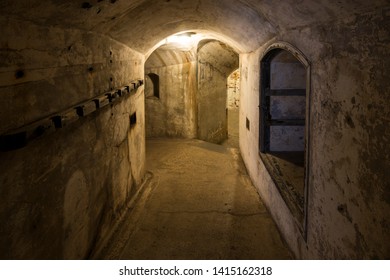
285,125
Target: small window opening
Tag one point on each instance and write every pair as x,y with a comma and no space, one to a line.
133,120
248,124
155,86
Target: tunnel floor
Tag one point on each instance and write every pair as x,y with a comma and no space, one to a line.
199,203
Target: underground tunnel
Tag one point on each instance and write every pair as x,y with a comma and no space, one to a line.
86,86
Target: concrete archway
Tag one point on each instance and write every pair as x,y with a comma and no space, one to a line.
193,77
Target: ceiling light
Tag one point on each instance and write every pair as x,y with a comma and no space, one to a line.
183,39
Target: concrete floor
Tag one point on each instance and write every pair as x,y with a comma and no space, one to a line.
199,203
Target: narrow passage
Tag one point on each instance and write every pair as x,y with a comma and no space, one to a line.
199,204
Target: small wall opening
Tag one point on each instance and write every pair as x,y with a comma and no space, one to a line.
133,120
153,85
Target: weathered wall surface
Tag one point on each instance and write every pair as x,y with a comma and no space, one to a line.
349,182
216,62
60,195
233,95
173,113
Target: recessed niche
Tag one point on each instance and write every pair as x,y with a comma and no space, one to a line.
86,5
154,86
133,120
19,74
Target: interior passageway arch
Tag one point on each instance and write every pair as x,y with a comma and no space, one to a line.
193,72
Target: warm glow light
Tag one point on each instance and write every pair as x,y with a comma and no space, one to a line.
185,41
182,39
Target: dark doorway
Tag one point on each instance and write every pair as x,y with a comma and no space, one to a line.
284,125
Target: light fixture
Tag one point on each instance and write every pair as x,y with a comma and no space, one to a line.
181,40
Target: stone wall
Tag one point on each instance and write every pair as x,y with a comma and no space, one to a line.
62,193
348,201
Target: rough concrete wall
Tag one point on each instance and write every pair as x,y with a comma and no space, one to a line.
61,194
216,62
233,95
349,204
173,114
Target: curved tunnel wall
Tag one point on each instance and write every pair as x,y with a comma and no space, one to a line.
344,221
63,192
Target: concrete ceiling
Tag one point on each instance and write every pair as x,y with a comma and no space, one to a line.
167,55
142,24
164,57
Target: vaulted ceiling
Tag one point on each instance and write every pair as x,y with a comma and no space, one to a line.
141,24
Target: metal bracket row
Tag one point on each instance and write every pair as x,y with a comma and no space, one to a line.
19,138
